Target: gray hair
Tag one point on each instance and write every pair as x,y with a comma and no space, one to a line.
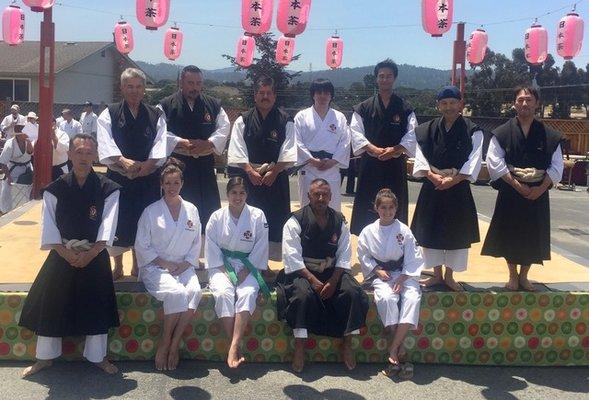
83,136
133,73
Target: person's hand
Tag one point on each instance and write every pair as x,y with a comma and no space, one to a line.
201,147
327,291
399,282
523,189
317,285
84,258
184,144
535,192
373,150
254,176
69,255
434,178
327,163
382,274
130,166
391,152
447,183
168,265
315,162
269,177
180,268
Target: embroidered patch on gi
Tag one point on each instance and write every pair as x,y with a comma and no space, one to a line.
189,223
400,239
247,234
208,117
332,128
273,134
397,118
333,239
92,213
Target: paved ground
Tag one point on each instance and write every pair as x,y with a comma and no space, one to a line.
196,380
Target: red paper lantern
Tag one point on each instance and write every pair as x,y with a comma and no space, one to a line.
285,50
39,5
536,44
13,25
245,51
124,37
173,43
256,16
152,13
293,16
569,37
334,52
436,16
477,47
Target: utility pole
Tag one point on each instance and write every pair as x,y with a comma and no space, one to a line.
459,58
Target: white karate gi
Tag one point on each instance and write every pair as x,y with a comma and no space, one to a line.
95,346
11,153
89,123
332,135
72,128
8,123
249,234
359,140
457,259
60,150
158,235
386,243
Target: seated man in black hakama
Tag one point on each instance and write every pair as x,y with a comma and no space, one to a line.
524,161
315,290
73,293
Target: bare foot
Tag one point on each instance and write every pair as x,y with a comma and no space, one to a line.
161,356
393,354
298,360
107,367
513,283
173,358
526,285
453,285
117,273
36,367
431,281
348,355
234,359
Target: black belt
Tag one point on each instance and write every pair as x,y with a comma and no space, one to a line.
63,164
18,164
321,154
392,265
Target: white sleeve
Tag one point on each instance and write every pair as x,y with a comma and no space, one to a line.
343,254
288,150
408,140
143,248
159,148
303,154
107,147
237,152
292,250
63,142
420,164
472,166
6,154
193,254
213,254
359,140
78,126
556,167
259,254
221,134
367,262
50,234
4,124
496,160
342,152
93,126
110,216
413,259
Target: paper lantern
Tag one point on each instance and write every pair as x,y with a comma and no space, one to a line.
285,50
124,37
536,44
39,5
334,52
569,37
173,43
436,16
477,47
293,16
256,16
152,13
13,25
245,51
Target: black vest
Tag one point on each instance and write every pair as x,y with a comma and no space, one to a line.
264,137
78,213
317,243
384,127
198,123
446,149
134,136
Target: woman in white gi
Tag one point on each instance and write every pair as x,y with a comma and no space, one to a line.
391,259
168,245
236,250
322,137
15,164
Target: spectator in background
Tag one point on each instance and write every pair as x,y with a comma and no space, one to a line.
88,119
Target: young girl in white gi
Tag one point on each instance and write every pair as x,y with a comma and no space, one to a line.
236,250
391,259
168,245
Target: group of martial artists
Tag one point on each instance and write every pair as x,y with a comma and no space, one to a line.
138,206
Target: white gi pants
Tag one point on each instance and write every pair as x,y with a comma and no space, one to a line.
305,179
230,300
178,293
49,348
456,260
302,333
6,189
387,301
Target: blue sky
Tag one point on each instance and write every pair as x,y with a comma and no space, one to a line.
365,26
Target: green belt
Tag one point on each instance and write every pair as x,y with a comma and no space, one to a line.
243,257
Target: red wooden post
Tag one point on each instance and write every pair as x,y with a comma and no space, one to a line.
43,149
459,58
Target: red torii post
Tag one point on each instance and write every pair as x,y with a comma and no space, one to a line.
459,58
43,152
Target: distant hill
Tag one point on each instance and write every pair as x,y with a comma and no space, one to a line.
409,75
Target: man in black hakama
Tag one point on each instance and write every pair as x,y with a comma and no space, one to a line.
448,154
524,161
262,146
382,130
73,293
315,290
132,144
201,127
